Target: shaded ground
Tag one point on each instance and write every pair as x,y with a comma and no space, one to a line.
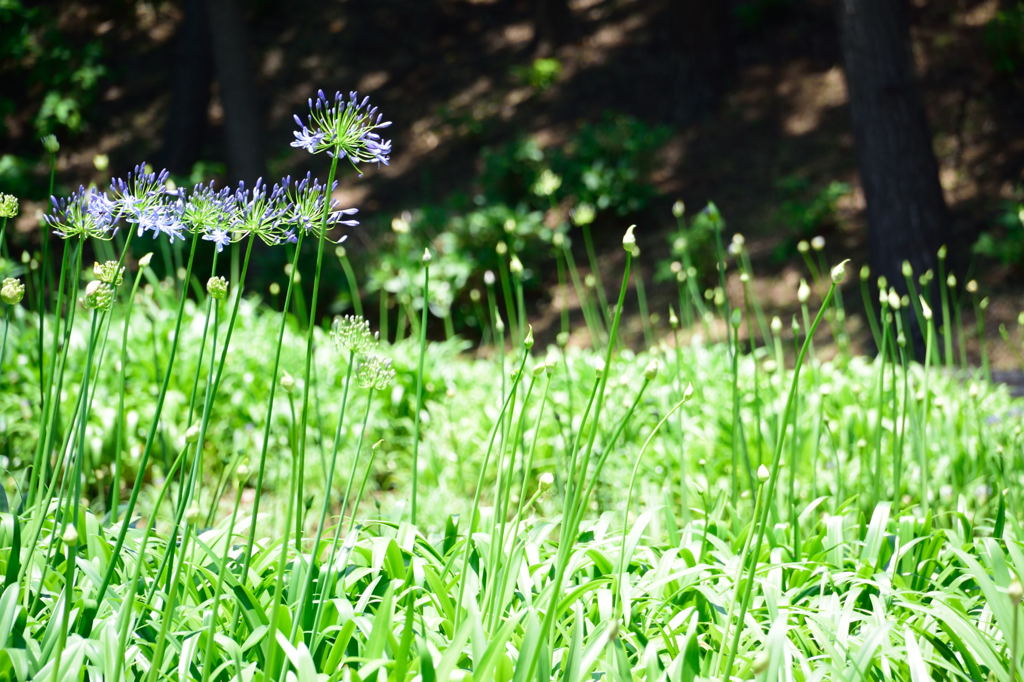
446,72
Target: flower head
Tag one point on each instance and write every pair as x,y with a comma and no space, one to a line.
217,287
259,211
306,201
138,190
376,372
207,211
85,213
12,291
98,296
344,127
8,205
109,272
352,333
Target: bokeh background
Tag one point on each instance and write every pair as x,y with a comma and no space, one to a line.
515,120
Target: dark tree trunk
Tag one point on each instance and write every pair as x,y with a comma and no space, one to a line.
243,126
190,93
552,25
698,35
907,216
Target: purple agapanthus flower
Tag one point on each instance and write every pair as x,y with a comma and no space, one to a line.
345,128
258,211
82,214
220,238
161,219
307,200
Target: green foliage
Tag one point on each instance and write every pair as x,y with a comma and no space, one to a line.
1004,39
526,195
805,211
41,64
541,73
1006,243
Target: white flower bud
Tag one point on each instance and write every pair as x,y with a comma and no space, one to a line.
426,256
763,474
629,241
818,243
146,259
287,382
802,246
515,266
678,208
839,272
70,535
192,434
776,324
1016,592
651,370
971,286
803,292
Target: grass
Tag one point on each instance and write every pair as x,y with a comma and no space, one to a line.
212,489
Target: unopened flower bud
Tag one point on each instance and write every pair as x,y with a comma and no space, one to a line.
803,292
926,310
776,325
217,288
98,296
192,515
651,370
562,339
894,300
70,535
426,258
818,243
1016,592
287,382
971,286
802,246
12,291
907,269
673,320
192,434
546,479
678,209
515,266
501,248
146,259
50,144
839,272
865,273
951,281
629,241
528,341
763,474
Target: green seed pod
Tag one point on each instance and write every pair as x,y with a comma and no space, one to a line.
8,206
98,296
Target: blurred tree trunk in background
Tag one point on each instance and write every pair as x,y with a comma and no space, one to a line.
243,126
699,36
190,92
552,25
907,215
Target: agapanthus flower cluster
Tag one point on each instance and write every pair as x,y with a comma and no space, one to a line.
12,290
144,202
344,127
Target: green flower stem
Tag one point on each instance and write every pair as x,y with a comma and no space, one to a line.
307,584
85,624
574,503
419,391
748,561
115,485
328,587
